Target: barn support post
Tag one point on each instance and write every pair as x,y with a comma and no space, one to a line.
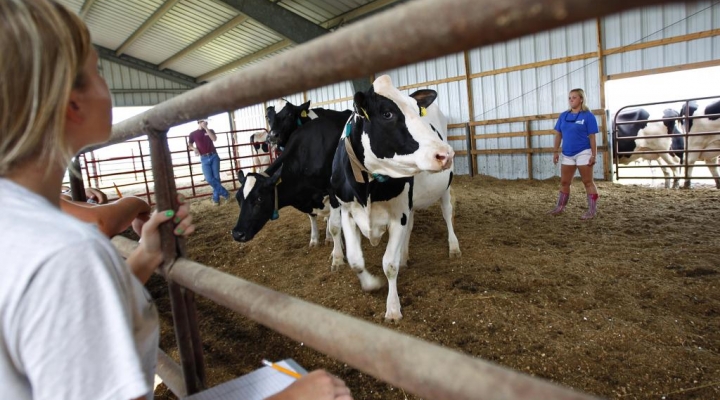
234,160
472,161
528,145
77,187
603,118
181,299
470,155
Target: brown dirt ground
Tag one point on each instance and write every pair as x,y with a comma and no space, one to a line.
624,306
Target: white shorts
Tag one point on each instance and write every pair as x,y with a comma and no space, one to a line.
581,158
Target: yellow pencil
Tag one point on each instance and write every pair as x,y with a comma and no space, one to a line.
282,369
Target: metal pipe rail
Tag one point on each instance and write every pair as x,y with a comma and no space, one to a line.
424,369
412,32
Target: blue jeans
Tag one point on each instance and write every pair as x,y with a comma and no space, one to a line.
211,170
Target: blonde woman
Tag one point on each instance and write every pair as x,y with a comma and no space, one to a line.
576,129
75,320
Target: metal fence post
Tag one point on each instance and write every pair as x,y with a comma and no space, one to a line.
181,299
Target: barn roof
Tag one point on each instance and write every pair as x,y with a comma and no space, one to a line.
189,42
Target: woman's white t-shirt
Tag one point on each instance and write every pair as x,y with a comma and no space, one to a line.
74,322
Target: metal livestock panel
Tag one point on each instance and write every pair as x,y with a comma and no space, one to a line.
449,66
131,87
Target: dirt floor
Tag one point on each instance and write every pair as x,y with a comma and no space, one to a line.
624,306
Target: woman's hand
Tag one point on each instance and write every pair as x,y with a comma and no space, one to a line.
317,385
556,157
148,255
591,161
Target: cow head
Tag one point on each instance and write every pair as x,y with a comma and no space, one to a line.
671,125
257,200
284,122
394,140
692,106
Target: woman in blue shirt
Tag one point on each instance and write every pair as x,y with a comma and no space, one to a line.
576,129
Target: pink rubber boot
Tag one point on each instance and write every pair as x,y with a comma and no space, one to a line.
561,203
592,207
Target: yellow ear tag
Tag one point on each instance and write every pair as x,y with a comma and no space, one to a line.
366,114
278,181
423,111
303,114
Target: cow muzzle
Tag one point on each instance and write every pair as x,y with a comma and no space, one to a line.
240,236
445,159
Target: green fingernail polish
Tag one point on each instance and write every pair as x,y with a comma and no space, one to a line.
177,220
169,213
179,231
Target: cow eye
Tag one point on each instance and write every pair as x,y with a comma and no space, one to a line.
387,115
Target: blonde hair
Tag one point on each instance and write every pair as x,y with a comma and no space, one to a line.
581,93
44,47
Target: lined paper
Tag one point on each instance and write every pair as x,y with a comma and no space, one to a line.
257,385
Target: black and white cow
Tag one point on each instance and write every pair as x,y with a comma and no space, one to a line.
285,122
299,177
262,150
385,144
703,142
669,162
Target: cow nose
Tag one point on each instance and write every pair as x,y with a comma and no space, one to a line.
445,158
238,236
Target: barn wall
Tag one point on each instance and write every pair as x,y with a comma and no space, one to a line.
131,87
658,23
528,79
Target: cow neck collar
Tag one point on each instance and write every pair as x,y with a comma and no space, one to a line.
276,211
306,114
357,167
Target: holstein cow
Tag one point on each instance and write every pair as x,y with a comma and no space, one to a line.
291,117
434,187
299,177
706,142
385,144
262,150
668,161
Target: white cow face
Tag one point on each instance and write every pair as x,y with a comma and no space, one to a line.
395,140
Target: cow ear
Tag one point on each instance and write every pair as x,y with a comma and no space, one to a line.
241,177
359,102
304,106
424,97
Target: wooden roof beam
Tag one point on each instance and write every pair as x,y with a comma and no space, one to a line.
204,40
154,18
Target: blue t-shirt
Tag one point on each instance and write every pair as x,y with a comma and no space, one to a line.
576,130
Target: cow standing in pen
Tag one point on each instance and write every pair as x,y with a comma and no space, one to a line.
385,144
708,144
262,151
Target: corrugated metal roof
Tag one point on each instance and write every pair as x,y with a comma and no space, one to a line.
113,24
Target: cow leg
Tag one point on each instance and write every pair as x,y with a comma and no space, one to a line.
314,232
397,235
368,281
406,242
328,234
447,212
668,164
334,227
714,171
691,158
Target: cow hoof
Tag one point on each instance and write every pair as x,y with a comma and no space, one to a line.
393,316
314,244
336,263
455,253
371,283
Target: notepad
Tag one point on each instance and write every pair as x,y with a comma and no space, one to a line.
257,385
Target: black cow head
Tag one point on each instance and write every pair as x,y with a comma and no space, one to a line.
284,122
256,198
393,139
693,106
